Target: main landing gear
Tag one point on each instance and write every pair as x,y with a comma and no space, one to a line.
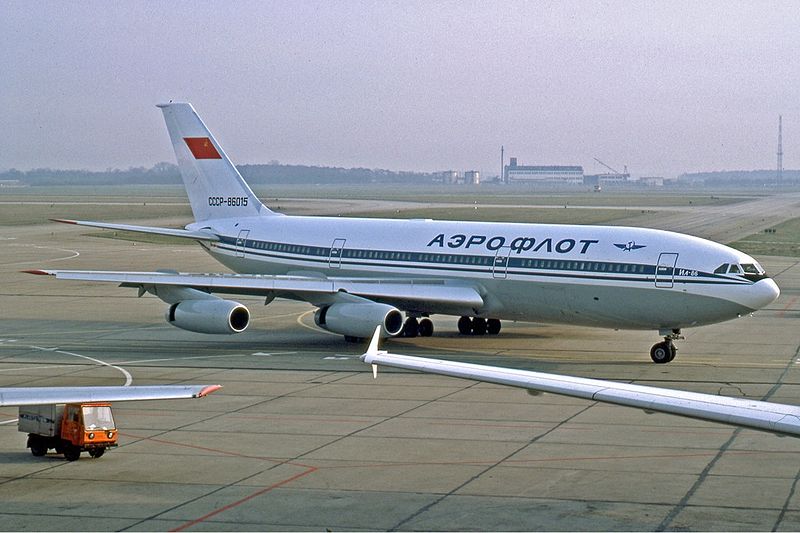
664,352
414,326
478,326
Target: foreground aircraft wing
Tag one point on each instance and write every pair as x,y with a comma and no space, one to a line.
170,232
315,290
773,417
53,395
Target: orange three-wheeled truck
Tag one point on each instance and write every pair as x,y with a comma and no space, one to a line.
69,428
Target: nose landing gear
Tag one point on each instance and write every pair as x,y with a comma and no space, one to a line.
664,352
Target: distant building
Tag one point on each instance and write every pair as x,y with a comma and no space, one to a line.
472,177
550,174
652,181
450,176
602,180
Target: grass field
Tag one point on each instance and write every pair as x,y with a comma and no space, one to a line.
785,241
40,213
501,195
509,214
485,194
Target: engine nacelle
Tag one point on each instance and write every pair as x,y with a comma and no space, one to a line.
360,319
209,316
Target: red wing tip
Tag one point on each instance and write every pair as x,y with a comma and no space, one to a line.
36,272
63,220
208,389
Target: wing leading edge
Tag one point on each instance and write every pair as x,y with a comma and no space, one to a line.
51,395
766,416
314,290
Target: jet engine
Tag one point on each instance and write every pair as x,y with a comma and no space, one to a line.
358,319
209,316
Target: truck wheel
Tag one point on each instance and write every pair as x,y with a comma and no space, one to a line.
97,453
72,453
37,445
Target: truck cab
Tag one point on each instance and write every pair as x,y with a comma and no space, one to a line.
69,428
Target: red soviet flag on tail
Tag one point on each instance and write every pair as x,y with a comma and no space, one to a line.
202,148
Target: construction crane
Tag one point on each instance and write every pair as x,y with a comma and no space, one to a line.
615,171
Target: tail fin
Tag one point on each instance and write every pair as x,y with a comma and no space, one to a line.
215,187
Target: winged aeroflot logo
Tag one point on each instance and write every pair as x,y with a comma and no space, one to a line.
630,245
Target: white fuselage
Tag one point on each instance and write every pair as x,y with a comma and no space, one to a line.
619,277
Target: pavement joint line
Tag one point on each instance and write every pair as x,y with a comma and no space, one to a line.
277,463
254,495
789,267
342,437
442,497
786,503
683,503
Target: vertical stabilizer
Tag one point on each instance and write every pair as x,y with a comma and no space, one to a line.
214,186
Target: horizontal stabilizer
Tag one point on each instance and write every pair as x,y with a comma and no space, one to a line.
169,232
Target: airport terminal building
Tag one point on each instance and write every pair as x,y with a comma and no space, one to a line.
544,174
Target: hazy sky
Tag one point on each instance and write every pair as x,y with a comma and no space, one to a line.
662,87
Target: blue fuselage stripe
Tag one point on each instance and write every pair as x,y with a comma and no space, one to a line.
479,264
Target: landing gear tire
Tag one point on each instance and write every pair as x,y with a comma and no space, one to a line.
410,328
673,351
493,326
479,326
663,352
97,453
465,325
425,327
351,338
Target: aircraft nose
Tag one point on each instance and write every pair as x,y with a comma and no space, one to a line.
763,293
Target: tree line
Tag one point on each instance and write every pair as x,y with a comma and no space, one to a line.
167,174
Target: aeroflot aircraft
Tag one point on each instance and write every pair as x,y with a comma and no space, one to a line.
362,273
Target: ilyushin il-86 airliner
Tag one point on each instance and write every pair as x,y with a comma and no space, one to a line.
362,273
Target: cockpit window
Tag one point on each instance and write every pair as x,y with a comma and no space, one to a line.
721,269
750,271
752,268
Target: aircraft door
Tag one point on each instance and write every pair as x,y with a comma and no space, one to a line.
335,259
500,265
241,242
665,270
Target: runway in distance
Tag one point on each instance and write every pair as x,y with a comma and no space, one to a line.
361,273
765,416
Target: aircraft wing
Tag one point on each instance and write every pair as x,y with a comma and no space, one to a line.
767,416
434,294
170,232
53,395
